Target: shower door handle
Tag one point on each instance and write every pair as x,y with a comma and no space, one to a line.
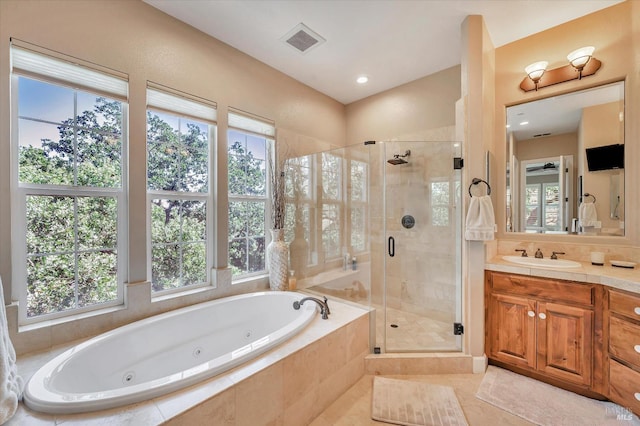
392,247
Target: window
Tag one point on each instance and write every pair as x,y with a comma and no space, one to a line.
331,205
247,141
358,204
300,210
440,203
542,207
70,155
178,183
532,206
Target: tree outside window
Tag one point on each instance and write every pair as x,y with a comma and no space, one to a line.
247,162
70,181
178,182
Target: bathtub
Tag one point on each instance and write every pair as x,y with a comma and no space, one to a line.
160,354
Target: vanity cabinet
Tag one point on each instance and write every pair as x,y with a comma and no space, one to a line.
540,325
624,349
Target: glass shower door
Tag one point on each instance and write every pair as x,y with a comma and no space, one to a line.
422,267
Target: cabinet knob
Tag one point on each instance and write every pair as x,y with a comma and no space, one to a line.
531,314
542,315
637,310
637,348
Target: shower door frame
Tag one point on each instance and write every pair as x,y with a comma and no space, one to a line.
387,150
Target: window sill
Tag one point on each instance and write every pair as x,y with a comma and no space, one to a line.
69,319
253,279
180,294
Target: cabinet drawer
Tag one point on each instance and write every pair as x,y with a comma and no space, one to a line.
624,386
624,341
624,304
554,290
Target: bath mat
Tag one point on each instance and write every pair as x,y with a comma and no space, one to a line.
405,402
544,404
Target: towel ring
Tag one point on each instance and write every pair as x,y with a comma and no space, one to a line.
586,194
476,181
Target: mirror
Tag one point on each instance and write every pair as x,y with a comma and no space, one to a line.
565,164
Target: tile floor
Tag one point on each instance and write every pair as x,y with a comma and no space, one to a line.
353,408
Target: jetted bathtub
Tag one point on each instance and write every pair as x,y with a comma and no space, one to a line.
160,354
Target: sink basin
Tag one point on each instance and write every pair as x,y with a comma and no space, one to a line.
543,263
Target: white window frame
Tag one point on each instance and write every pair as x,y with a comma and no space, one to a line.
53,68
338,203
184,106
253,125
309,203
358,205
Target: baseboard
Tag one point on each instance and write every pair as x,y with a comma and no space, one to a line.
417,364
480,364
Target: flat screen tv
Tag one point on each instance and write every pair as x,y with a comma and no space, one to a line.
606,157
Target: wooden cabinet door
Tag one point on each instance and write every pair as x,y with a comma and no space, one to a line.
511,328
564,342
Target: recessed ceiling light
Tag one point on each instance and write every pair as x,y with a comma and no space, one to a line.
524,123
362,79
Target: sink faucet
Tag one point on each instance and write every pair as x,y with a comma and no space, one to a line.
324,305
539,254
555,254
524,252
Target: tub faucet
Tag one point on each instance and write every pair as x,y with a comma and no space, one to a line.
538,254
324,305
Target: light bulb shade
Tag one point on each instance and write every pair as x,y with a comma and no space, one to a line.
536,70
579,57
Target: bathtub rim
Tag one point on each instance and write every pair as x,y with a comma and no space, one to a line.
38,397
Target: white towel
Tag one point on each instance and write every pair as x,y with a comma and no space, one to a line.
587,214
10,382
481,222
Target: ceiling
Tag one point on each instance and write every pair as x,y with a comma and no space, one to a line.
558,114
391,41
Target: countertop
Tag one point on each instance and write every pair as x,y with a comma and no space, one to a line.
610,276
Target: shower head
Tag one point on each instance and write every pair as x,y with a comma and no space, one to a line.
399,159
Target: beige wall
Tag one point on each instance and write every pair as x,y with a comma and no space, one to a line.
476,126
552,146
148,45
407,112
600,125
615,33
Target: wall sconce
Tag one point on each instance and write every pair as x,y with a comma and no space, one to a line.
536,70
581,64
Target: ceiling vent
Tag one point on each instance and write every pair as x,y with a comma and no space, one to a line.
303,39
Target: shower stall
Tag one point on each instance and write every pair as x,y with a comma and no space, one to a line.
379,224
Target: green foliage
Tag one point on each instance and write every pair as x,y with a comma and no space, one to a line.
71,240
178,238
247,178
178,162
